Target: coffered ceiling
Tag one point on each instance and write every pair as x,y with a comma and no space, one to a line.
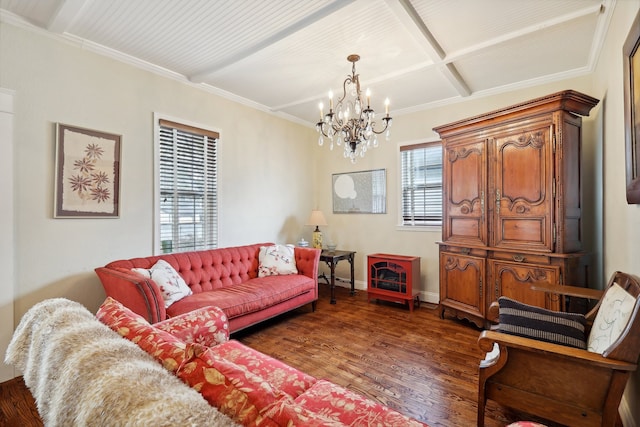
283,56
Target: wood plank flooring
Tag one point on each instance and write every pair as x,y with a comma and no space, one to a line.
416,363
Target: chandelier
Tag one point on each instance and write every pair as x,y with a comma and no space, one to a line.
351,123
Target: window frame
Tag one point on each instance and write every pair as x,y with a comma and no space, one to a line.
427,226
187,126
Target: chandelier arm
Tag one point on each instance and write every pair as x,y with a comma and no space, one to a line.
387,120
348,80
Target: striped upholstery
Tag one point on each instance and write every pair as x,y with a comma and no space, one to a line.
538,323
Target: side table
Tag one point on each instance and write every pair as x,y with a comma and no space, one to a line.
332,258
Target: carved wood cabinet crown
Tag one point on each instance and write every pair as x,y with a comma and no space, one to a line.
512,204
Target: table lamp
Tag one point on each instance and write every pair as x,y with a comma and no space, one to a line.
317,219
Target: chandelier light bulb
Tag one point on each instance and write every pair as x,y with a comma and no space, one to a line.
321,110
330,100
368,97
386,106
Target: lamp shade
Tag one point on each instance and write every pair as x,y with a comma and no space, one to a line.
317,218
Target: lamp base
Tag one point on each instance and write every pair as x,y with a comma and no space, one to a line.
316,240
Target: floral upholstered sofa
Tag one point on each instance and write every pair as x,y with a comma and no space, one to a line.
249,387
250,283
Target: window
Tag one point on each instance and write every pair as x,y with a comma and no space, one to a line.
188,194
421,169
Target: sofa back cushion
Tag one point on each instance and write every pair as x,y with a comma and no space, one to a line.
164,347
233,389
207,269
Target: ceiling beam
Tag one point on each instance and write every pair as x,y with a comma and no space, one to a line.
319,14
65,15
524,32
413,23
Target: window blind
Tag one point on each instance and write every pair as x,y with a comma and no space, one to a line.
421,169
188,188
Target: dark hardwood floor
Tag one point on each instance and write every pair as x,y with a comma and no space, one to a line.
417,363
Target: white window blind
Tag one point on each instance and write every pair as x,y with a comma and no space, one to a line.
188,188
421,169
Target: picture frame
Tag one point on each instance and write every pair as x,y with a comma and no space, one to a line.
363,192
87,173
631,55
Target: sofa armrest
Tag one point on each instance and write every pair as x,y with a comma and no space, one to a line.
208,326
307,260
134,291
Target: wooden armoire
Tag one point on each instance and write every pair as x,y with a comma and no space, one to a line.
512,205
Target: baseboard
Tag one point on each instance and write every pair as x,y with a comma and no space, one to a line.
625,414
430,297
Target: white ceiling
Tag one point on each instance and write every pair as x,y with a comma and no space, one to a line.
283,56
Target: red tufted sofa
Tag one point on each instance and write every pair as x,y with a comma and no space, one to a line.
222,277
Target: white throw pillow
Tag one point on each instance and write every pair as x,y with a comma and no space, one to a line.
277,260
613,316
171,284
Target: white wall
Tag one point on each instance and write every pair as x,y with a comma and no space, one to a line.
265,171
621,221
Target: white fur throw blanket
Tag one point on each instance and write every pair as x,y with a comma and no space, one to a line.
81,373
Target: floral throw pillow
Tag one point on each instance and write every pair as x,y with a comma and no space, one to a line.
276,260
171,284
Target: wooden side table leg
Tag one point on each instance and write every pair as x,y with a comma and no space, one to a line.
353,289
333,283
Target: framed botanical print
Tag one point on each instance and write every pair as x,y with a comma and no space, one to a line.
87,173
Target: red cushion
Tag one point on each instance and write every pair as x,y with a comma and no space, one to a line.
232,388
285,412
207,326
249,297
281,376
349,408
166,348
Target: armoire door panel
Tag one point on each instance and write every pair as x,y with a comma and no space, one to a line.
514,280
523,232
523,189
464,189
466,227
461,282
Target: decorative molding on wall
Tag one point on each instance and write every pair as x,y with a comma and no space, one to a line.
7,226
